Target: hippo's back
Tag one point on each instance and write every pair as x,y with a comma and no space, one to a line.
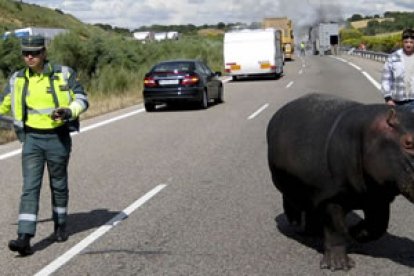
297,133
308,112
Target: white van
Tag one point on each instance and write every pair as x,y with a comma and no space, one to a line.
253,53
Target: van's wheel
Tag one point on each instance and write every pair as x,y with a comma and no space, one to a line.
149,107
204,100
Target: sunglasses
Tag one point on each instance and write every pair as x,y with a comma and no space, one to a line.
31,53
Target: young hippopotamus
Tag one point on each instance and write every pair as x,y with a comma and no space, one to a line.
329,156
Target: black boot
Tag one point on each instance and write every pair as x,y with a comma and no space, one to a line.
21,245
60,233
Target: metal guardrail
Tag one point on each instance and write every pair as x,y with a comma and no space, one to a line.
378,56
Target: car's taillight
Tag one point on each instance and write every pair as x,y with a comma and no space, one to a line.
149,82
190,80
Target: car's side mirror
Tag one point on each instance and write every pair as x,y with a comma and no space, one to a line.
218,73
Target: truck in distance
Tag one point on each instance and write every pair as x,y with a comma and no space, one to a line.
324,38
285,25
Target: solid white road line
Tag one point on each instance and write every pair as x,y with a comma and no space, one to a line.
83,129
226,79
106,122
372,80
355,66
258,112
75,250
341,59
10,154
289,84
368,76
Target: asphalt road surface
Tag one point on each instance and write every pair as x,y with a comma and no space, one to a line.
183,191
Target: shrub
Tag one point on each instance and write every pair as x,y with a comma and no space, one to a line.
11,59
350,34
352,42
111,64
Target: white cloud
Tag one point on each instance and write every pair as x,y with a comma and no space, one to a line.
75,5
47,3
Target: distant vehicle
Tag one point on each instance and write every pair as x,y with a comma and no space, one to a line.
285,25
160,36
48,33
324,38
181,81
253,53
144,37
173,35
150,36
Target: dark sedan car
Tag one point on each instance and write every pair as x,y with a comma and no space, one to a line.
181,80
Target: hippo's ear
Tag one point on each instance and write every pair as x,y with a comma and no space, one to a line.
392,119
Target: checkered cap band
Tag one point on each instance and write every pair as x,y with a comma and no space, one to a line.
33,43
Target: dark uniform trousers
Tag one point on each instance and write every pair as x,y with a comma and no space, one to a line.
40,149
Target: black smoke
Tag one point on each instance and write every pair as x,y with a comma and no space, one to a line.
305,14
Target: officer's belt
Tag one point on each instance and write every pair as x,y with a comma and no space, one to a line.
58,130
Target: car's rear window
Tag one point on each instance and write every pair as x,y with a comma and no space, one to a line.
173,66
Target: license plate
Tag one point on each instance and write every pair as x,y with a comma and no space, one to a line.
167,82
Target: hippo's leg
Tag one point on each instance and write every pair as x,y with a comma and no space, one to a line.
313,223
293,214
374,225
335,233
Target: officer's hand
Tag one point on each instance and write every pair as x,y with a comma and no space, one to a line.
61,113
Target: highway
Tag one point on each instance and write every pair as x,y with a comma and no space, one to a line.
188,191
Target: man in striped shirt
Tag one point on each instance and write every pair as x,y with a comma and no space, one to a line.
397,84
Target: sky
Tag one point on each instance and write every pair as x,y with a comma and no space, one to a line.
132,14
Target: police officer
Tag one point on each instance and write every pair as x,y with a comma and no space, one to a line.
302,48
45,101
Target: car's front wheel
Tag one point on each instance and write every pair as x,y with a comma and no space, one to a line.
204,100
149,107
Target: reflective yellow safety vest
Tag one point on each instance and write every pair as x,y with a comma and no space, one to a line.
31,97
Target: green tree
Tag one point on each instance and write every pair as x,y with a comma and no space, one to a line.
11,59
356,17
221,26
105,27
350,34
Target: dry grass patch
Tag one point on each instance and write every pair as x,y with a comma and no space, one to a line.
7,136
98,105
364,23
210,32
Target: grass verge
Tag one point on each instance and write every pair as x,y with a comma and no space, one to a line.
98,106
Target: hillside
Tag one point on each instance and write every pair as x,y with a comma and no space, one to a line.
14,15
364,23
